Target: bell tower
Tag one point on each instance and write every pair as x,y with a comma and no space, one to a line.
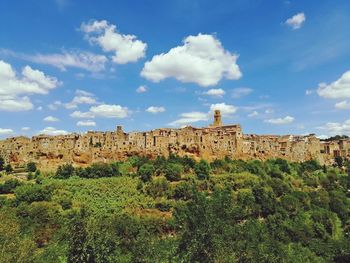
217,118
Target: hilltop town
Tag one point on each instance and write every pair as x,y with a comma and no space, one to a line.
209,143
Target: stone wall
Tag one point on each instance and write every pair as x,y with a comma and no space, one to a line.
209,143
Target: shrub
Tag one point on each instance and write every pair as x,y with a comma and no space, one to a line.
173,171
31,167
65,171
33,193
157,187
202,170
9,186
145,172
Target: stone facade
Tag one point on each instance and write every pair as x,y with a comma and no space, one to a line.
215,141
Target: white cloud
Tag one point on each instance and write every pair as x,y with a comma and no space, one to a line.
9,103
309,92
342,105
5,131
338,89
126,48
336,128
269,111
25,128
189,118
201,59
226,109
215,92
84,60
13,88
155,109
82,115
110,111
81,97
55,105
39,108
285,120
50,119
296,21
253,114
86,123
241,92
195,116
141,89
53,131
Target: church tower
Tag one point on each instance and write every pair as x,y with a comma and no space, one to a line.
217,118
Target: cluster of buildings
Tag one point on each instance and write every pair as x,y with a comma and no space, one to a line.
213,142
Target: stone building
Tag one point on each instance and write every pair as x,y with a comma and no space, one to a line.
215,141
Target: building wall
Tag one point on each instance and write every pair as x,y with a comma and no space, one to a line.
208,143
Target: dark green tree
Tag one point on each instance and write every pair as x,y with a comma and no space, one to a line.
173,171
145,172
202,170
31,167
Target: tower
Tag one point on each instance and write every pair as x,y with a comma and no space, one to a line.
217,118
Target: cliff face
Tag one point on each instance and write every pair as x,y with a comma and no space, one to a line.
208,143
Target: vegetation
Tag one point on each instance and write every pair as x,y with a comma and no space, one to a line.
178,210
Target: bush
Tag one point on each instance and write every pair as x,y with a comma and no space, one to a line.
202,170
183,191
8,168
145,172
31,167
173,171
33,193
157,187
9,186
65,171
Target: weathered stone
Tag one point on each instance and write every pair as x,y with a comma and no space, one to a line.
215,141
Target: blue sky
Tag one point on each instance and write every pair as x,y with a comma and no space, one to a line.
275,67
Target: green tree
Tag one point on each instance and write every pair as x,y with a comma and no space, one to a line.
202,170
2,163
145,172
64,171
31,167
8,168
173,171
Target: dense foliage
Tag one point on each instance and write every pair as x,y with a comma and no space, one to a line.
178,210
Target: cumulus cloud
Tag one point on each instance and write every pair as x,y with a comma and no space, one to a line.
226,109
155,109
81,97
336,90
75,59
215,92
82,115
195,116
253,114
141,89
342,105
126,48
110,111
189,118
5,131
13,104
86,123
25,128
296,21
281,121
55,105
241,92
201,59
336,128
50,119
53,131
14,88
